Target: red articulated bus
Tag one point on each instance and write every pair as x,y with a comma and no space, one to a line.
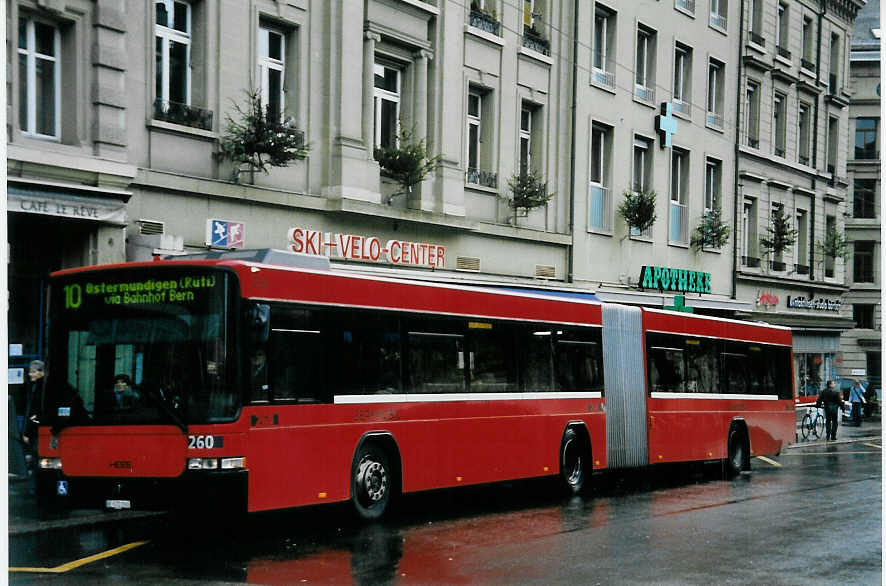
269,380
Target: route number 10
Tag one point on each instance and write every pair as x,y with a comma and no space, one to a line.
73,296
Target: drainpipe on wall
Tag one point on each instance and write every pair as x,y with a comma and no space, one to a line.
735,166
570,261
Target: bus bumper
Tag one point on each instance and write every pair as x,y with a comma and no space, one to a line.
194,490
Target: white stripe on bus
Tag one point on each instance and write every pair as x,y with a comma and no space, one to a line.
449,397
716,396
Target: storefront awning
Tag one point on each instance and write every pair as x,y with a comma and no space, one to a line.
67,201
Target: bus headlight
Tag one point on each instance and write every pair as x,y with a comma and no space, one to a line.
233,463
51,463
202,464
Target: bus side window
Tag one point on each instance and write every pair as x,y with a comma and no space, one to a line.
701,365
735,377
534,344
366,347
665,357
492,364
435,356
579,359
296,351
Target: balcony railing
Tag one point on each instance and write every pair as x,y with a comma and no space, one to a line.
715,120
604,77
782,52
750,261
866,153
481,177
756,38
807,64
183,114
600,208
718,20
679,223
687,5
681,107
536,42
777,265
485,22
642,92
801,269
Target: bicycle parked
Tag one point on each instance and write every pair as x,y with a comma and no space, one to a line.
813,424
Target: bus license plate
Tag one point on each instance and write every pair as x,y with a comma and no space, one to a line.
117,504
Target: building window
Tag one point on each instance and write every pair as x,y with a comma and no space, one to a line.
779,126
834,73
525,139
600,204
807,42
833,141
271,68
863,198
712,184
682,79
755,24
866,138
830,224
39,78
719,10
641,173
752,114
678,229
386,97
644,87
603,71
478,139
749,256
863,261
863,314
801,254
782,26
777,259
715,93
172,32
804,134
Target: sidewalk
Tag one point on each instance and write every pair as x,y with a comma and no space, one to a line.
871,429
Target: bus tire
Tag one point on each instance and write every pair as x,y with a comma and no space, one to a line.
737,458
371,482
575,462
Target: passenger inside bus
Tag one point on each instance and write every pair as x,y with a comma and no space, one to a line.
259,375
124,396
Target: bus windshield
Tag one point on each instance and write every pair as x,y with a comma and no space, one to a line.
142,346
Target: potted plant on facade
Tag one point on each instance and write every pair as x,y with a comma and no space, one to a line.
528,191
407,163
711,233
779,237
833,246
258,138
638,210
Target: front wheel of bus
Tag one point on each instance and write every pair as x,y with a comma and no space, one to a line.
575,462
371,484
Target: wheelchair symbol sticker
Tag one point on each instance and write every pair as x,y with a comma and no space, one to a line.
61,488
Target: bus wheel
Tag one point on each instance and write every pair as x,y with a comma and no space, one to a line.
575,462
738,454
371,485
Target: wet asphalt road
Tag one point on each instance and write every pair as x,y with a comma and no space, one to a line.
814,517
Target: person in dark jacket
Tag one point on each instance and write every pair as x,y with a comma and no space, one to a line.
832,401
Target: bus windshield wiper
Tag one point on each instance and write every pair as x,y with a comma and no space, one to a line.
160,399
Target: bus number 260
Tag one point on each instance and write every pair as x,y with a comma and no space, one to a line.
201,442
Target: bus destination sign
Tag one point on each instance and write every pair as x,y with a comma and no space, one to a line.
184,289
366,248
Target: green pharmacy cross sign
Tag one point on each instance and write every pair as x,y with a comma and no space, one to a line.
680,305
679,280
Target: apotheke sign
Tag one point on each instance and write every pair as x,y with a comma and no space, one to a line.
669,279
820,304
366,248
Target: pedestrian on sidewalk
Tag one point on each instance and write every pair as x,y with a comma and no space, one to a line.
832,401
856,397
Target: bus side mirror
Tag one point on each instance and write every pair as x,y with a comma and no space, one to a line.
259,322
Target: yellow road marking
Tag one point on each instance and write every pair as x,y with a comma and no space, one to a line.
769,461
82,562
874,446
